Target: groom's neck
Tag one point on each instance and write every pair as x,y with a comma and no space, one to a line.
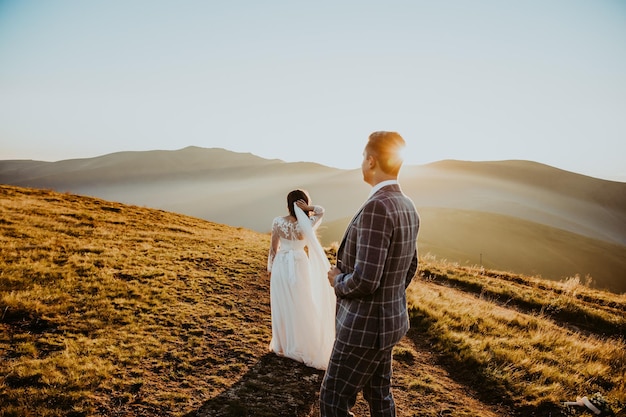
380,177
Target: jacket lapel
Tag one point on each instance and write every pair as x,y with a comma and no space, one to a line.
345,234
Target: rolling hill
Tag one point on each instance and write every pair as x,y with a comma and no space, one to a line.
509,215
110,309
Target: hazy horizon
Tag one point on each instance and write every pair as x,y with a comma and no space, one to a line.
481,81
406,165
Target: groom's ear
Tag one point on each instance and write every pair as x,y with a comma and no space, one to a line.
371,161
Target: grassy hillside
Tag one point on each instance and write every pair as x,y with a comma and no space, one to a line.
115,310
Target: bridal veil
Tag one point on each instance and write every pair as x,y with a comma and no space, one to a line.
323,294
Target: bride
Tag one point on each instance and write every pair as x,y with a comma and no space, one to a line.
302,302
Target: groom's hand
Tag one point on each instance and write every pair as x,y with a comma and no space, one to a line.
332,274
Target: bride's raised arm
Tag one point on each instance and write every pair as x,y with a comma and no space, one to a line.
316,218
318,212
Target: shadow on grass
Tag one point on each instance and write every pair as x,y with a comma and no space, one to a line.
275,386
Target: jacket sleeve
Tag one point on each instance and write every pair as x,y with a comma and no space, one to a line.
374,231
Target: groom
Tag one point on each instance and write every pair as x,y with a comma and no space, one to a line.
376,261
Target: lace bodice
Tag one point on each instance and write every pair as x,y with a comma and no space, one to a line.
287,235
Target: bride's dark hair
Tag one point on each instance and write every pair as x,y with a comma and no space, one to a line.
294,196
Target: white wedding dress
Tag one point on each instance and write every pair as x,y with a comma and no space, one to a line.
302,301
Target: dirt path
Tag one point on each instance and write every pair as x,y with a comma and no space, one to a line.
280,387
424,388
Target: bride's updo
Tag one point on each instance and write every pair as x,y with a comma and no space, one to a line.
294,196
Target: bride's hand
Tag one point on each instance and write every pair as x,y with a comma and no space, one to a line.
303,206
332,274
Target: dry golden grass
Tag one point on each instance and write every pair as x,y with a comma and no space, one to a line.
527,360
570,301
109,307
115,310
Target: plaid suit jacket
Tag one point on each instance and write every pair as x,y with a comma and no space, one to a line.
378,259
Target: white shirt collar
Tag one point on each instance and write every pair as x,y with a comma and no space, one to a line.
381,185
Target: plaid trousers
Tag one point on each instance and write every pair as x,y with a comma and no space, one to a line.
352,369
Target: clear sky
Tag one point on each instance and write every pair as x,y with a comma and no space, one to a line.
542,80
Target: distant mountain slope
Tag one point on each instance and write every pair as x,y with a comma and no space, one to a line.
234,188
535,192
244,190
507,243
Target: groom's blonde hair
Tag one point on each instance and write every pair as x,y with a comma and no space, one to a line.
387,148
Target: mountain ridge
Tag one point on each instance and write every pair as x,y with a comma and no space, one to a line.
129,165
